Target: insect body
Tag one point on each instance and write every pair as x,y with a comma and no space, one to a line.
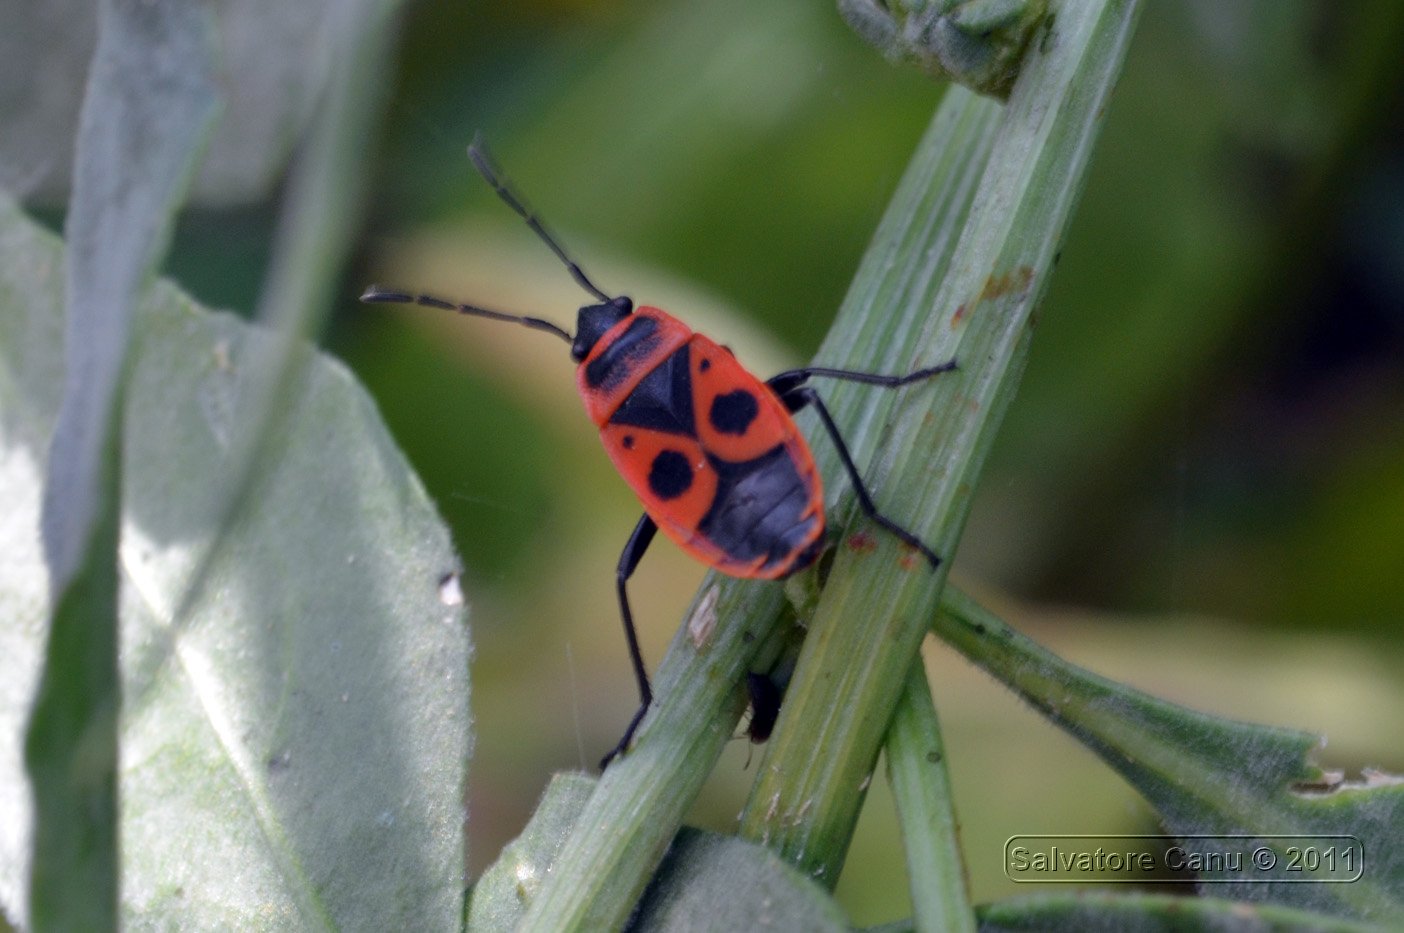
712,452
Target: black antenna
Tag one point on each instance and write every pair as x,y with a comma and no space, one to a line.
478,153
377,294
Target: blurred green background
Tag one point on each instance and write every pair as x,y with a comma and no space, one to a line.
1199,490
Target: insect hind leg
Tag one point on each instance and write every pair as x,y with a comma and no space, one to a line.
629,559
790,379
797,396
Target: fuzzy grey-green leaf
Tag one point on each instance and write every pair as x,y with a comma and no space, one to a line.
272,61
1207,776
148,104
293,751
714,882
977,43
500,897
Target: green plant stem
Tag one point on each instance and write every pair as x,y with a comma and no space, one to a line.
873,611
921,788
641,799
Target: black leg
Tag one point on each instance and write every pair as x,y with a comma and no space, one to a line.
794,378
629,560
800,396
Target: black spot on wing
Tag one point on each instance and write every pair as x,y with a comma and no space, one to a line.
733,412
663,400
618,360
670,475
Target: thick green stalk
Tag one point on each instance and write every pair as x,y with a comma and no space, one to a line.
875,606
639,804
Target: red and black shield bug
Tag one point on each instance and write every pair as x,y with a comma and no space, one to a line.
712,452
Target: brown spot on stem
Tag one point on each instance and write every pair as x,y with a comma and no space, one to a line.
1017,281
862,543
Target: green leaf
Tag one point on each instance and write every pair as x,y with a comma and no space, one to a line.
1204,775
273,63
312,241
31,386
292,750
149,103
500,897
726,883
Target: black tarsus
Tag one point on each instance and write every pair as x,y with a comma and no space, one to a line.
629,559
792,391
377,294
482,161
